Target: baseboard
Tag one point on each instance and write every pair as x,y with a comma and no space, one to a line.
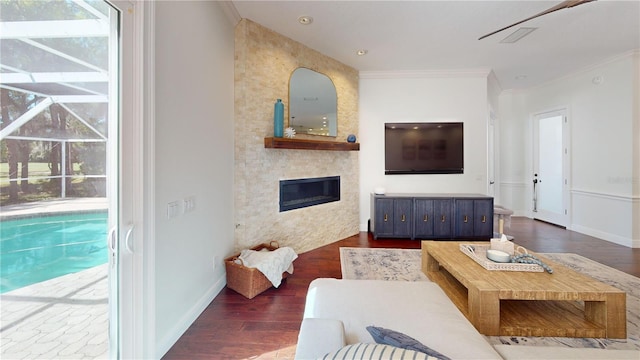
616,239
165,344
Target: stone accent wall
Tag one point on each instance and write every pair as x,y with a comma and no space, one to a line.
264,63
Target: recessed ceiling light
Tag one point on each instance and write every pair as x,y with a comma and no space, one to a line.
517,35
305,20
362,52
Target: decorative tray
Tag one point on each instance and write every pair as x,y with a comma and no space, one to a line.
479,254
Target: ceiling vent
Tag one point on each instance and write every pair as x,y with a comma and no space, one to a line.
517,35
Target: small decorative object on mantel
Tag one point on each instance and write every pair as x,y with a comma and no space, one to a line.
278,118
351,138
290,132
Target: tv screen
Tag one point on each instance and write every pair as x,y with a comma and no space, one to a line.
423,148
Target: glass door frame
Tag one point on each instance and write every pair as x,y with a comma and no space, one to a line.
135,318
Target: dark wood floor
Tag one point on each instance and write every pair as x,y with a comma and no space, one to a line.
266,327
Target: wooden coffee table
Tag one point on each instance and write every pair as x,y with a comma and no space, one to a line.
515,303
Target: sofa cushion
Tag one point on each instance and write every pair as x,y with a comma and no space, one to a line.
319,336
418,308
375,352
398,339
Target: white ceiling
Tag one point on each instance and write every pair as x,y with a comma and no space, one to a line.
443,35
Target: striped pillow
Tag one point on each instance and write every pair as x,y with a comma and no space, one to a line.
375,352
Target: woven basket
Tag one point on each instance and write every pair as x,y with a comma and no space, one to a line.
248,282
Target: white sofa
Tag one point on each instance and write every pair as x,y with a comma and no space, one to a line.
337,313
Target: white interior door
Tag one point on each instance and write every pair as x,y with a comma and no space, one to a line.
550,161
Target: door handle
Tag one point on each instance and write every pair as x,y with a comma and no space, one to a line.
403,219
111,240
127,240
385,218
535,193
425,218
112,244
466,219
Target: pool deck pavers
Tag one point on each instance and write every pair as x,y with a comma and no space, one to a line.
55,206
62,318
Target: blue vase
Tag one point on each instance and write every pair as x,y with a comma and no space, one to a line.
351,138
278,119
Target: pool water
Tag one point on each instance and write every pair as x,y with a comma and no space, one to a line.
36,249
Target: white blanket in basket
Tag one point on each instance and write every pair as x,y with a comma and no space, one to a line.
271,263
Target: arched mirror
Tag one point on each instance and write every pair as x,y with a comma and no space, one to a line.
313,103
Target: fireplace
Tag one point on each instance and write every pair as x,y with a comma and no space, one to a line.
299,193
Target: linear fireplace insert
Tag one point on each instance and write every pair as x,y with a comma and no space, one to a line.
299,193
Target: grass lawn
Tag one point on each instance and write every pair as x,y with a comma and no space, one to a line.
35,169
44,189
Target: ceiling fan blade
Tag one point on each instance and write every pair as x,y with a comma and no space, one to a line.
563,5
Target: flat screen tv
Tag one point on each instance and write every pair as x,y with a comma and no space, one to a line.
424,148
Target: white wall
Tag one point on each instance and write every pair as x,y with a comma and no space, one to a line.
604,142
422,97
194,54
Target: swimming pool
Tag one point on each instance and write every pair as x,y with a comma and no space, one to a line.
36,249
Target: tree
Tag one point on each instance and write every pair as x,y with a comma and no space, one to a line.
25,150
90,52
12,148
58,121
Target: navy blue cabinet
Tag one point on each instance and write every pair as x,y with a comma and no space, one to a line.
383,214
432,216
393,217
403,218
473,218
424,218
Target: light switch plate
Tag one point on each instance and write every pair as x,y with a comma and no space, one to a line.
173,209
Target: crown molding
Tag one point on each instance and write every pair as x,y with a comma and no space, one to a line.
424,74
230,11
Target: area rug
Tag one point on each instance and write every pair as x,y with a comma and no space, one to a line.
381,264
406,264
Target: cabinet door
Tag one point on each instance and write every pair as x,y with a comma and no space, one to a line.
442,218
423,218
383,217
464,218
403,215
483,218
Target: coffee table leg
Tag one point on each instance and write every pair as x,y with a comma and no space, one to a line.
429,263
484,308
610,313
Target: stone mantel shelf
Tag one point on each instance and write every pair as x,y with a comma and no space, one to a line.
306,144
